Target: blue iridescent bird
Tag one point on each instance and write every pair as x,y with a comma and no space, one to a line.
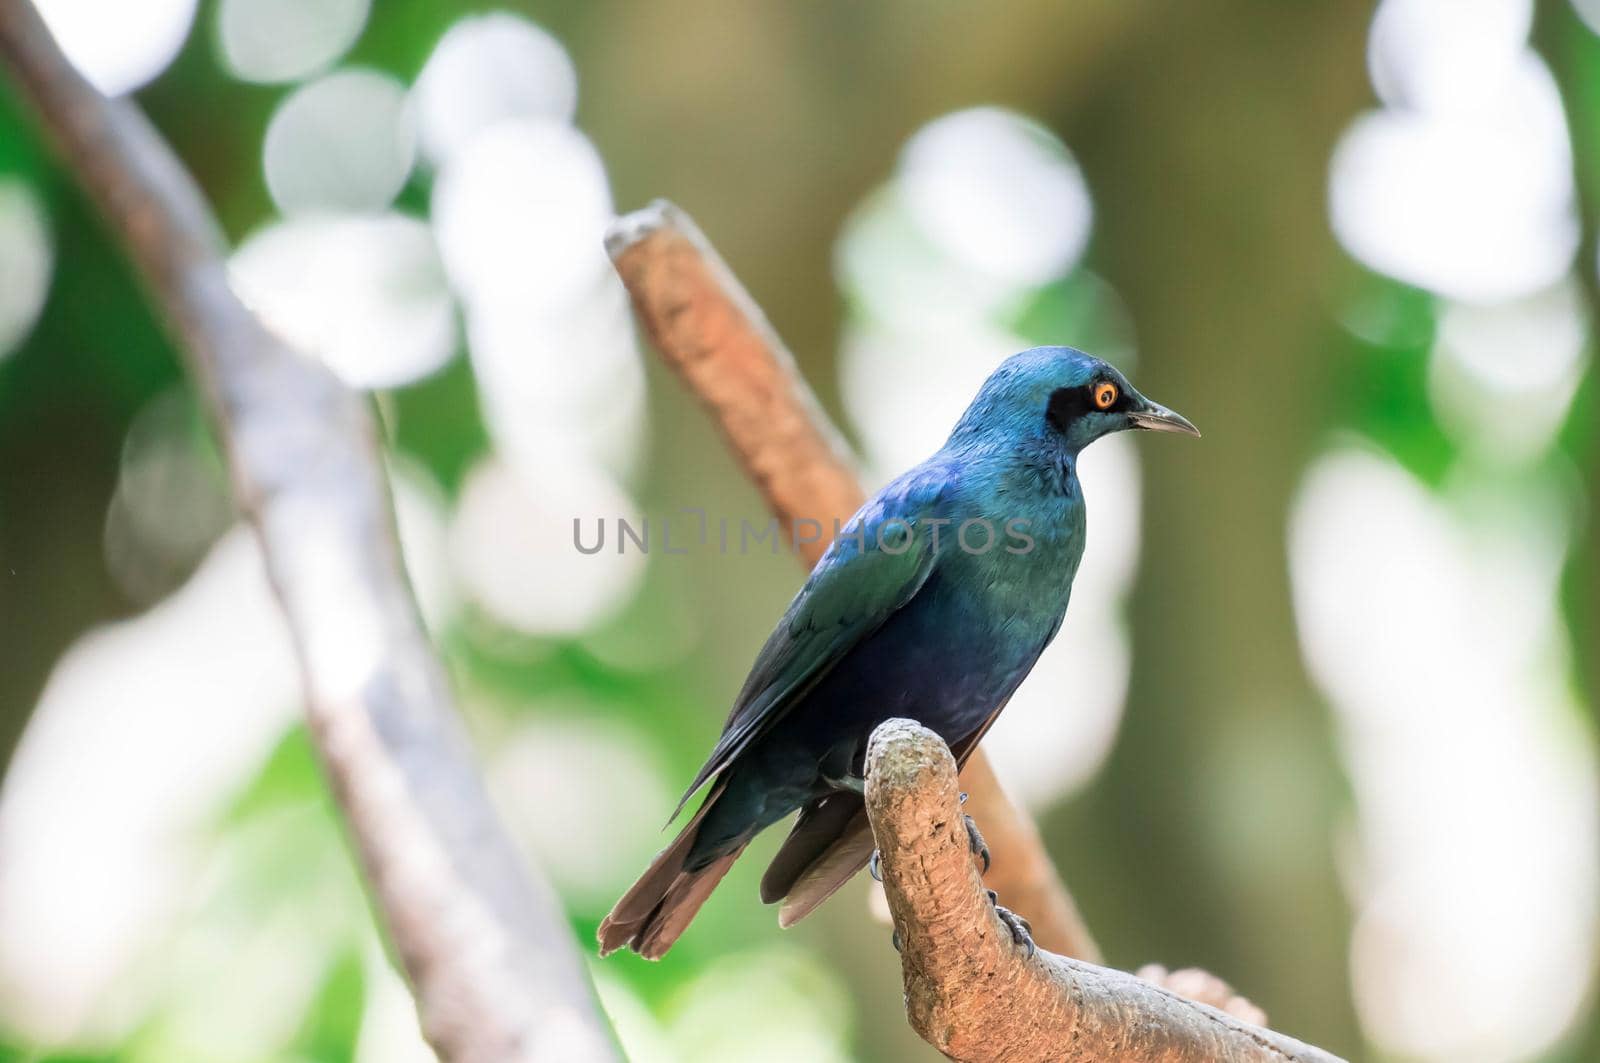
933,603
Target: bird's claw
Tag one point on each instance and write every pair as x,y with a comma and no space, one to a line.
1021,929
894,939
975,841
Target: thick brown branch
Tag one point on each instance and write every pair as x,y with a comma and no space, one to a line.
971,991
711,332
489,956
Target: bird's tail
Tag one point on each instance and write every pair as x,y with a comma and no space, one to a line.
659,907
830,842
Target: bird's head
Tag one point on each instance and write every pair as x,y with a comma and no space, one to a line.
1063,397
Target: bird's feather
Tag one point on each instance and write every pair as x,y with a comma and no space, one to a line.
638,914
830,842
819,824
837,864
875,566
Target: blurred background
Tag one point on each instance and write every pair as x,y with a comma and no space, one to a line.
1322,717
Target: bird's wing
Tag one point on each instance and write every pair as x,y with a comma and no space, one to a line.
963,748
875,566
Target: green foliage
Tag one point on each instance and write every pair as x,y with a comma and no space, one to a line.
333,1021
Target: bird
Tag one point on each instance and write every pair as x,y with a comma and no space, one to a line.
932,603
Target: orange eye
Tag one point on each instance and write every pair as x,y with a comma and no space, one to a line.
1105,393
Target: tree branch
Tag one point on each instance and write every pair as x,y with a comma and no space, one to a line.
490,959
709,329
971,991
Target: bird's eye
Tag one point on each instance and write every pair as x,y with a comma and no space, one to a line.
1105,393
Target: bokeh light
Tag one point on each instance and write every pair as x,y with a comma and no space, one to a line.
114,913
344,142
784,1001
998,193
1431,617
900,279
521,211
1433,626
1589,11
561,387
511,544
167,712
244,961
171,501
1502,377
487,69
284,40
27,258
557,780
365,293
520,206
119,46
1446,55
1463,184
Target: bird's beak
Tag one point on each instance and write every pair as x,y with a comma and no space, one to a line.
1157,418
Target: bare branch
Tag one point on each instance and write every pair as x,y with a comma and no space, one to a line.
492,963
711,332
971,991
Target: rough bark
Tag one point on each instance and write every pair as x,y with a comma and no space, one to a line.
711,332
974,993
490,959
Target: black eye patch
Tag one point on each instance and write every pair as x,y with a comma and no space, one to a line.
1067,405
